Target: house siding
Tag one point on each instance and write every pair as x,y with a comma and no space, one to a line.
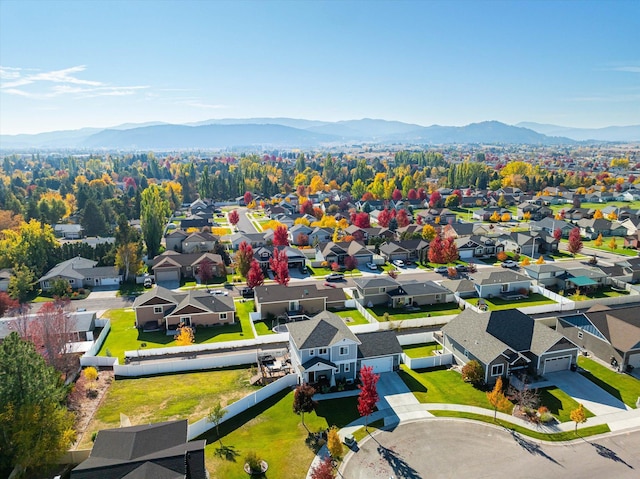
309,306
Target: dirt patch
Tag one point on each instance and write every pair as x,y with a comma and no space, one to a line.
85,399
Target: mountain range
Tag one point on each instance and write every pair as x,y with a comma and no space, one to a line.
290,132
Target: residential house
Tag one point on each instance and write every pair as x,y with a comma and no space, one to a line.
507,342
462,288
592,228
173,241
295,258
81,273
80,325
506,284
441,216
544,274
199,243
632,267
196,221
536,212
294,234
158,451
612,335
375,290
292,301
599,197
584,279
68,231
172,266
161,308
458,230
324,350
549,225
336,252
254,239
474,246
320,235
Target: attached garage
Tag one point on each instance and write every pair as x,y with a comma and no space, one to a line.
634,360
557,364
466,254
109,281
379,365
170,275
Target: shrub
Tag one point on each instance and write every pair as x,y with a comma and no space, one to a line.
543,409
473,373
546,417
253,461
502,256
93,436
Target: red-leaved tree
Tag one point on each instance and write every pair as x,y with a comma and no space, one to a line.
306,208
422,194
575,242
7,303
557,234
255,277
243,258
279,264
302,239
396,195
234,217
361,220
402,218
368,396
350,262
449,251
436,251
280,236
51,331
412,194
435,200
323,469
205,270
384,217
248,198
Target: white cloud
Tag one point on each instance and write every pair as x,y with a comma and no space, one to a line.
200,104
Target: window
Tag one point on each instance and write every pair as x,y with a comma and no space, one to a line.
322,351
580,335
383,290
347,367
344,350
497,369
223,316
505,288
312,352
157,309
72,281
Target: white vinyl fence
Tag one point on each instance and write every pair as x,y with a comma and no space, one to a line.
203,425
185,363
415,338
428,362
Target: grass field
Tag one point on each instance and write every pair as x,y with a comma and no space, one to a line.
420,350
276,434
164,398
441,309
621,386
352,317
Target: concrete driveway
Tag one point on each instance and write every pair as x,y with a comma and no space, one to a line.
394,394
594,398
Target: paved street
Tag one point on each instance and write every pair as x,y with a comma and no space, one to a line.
441,448
245,224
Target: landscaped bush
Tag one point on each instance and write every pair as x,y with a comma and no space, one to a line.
473,373
502,256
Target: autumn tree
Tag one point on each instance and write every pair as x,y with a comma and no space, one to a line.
216,414
302,239
575,242
280,236
449,251
243,258
598,241
612,244
384,217
473,373
495,217
435,200
234,217
362,220
368,396
128,259
350,262
90,375
248,198
35,426
51,331
184,336
154,212
428,232
402,218
557,234
497,398
578,416
206,271
323,470
7,303
32,245
436,251
540,260
303,401
597,215
306,207
334,444
255,277
279,264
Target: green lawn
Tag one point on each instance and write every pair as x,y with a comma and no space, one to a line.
598,293
164,398
622,386
443,386
605,246
496,304
124,336
352,317
263,327
421,350
276,434
558,436
559,403
598,206
441,309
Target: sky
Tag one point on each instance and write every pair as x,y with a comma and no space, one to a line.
74,64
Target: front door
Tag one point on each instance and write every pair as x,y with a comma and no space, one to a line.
312,377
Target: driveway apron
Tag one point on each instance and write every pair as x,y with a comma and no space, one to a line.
594,398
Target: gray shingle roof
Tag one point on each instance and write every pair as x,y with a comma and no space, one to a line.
275,293
323,330
378,343
498,277
376,282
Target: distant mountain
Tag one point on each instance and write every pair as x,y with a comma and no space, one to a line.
609,133
207,136
285,132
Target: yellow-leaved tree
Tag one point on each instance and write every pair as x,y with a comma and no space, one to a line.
334,444
578,416
497,398
598,242
185,336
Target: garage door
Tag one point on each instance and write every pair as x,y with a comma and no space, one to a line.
557,364
109,281
379,365
167,276
466,254
634,360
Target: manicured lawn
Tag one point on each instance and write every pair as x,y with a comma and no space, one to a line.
558,436
559,403
622,386
605,246
263,327
276,434
598,206
496,304
164,398
599,293
420,350
352,317
441,309
443,386
124,336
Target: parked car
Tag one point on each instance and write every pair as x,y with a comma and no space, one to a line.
247,293
334,277
441,269
399,263
148,283
372,266
461,268
509,264
219,292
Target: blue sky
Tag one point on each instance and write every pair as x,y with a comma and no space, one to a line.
68,65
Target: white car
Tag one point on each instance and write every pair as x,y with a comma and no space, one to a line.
509,264
372,266
399,263
219,292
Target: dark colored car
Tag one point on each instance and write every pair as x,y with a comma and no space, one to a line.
247,293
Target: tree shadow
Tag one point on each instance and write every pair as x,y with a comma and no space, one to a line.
609,454
531,447
227,452
400,467
412,383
